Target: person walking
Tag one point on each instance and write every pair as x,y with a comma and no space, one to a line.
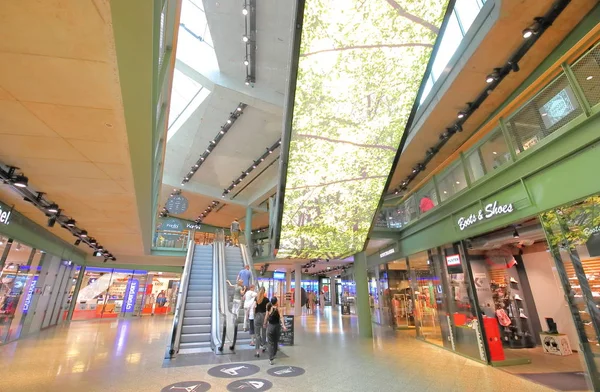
235,232
322,302
260,310
249,299
275,324
245,276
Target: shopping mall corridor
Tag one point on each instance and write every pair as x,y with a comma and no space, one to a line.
127,355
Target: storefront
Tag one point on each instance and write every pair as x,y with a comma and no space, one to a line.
505,269
112,293
36,276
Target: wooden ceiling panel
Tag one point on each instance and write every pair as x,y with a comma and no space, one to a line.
55,167
75,122
15,119
57,80
38,147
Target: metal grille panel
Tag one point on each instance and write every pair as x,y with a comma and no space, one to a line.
587,73
552,108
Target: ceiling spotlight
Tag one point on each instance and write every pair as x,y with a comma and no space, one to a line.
113,258
458,127
77,241
493,76
51,221
244,11
196,166
183,184
514,66
20,181
93,241
270,152
461,114
245,38
52,208
246,63
589,77
229,121
247,82
239,108
83,234
515,233
201,158
71,222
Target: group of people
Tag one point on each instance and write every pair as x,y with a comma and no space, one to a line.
311,301
261,315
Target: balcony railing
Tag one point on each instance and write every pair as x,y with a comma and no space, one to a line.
572,95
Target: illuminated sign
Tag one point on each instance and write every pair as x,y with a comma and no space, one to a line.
5,216
29,295
279,275
387,253
452,260
488,212
360,68
193,227
130,295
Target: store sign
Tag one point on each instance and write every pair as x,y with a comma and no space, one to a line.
387,253
490,211
452,260
5,216
593,242
193,227
131,294
29,296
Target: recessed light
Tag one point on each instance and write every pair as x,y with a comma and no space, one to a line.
228,121
245,38
246,62
244,11
589,77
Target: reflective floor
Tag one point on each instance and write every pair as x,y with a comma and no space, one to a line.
127,355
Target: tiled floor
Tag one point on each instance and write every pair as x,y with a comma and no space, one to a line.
127,355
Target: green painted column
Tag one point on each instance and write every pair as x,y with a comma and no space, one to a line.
73,303
365,328
248,229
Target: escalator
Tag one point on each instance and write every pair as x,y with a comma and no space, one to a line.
203,319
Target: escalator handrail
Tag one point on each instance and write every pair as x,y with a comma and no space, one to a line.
181,299
215,303
230,320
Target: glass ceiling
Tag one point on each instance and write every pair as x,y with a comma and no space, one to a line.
195,49
462,17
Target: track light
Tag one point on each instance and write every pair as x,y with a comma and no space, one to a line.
20,181
461,114
83,234
246,62
244,11
247,82
534,29
92,241
71,222
493,76
52,208
51,221
77,242
245,38
514,66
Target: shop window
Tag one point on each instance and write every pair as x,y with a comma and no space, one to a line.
574,238
411,210
587,73
552,108
427,306
452,181
489,156
427,198
13,280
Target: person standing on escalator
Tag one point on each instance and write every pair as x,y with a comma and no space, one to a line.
235,232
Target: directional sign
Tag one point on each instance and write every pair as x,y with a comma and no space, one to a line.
187,386
286,371
233,370
250,384
177,204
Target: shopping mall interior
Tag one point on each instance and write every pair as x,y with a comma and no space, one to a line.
300,195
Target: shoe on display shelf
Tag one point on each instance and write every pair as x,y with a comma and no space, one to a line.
522,313
513,280
518,298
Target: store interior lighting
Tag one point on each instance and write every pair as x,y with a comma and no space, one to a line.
233,116
20,183
531,34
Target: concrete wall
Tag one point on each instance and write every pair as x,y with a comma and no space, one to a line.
548,293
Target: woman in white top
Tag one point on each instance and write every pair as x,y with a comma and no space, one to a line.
322,301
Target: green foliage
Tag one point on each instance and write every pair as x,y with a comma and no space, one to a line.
361,65
572,225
